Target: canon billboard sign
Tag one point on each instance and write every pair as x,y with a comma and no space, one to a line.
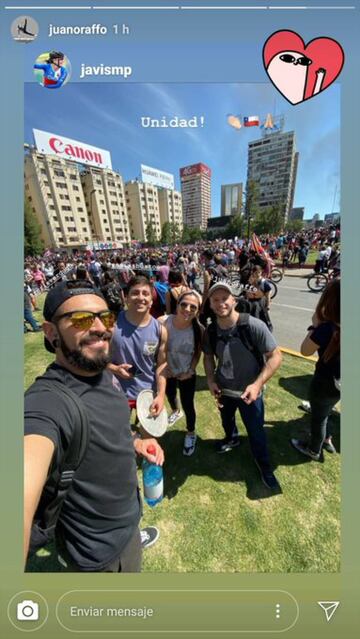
54,144
193,169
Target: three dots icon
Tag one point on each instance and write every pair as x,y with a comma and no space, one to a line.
277,611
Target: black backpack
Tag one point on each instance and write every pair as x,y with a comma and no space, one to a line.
60,478
243,332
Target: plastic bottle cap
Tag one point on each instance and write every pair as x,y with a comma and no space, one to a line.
151,450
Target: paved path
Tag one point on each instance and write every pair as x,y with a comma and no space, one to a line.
292,310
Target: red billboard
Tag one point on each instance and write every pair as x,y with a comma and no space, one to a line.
194,169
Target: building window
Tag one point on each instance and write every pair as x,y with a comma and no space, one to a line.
75,188
65,207
59,173
77,198
51,206
80,209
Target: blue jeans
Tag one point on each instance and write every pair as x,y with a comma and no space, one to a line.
253,419
28,317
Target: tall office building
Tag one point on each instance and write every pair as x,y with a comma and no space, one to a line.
170,207
297,213
196,194
231,199
272,164
105,202
54,192
142,203
75,195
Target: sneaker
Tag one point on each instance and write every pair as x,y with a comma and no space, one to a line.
329,446
149,536
177,414
268,478
305,406
225,445
189,444
303,448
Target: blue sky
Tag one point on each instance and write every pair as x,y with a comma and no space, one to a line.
108,115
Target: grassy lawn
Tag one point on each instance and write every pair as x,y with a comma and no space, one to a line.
216,515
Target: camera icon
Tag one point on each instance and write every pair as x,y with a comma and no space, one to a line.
27,610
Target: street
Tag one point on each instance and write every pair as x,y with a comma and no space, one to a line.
292,310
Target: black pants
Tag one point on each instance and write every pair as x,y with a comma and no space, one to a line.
323,396
187,392
129,559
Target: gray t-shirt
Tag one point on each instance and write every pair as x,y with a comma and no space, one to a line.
181,347
236,365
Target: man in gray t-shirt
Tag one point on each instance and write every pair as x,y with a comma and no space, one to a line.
247,356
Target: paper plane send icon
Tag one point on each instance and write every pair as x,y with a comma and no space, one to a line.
329,607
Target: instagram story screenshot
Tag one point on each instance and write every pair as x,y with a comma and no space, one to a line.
180,328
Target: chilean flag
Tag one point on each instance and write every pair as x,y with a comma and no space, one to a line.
252,120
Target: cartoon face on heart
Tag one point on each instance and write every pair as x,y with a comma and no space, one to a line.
301,71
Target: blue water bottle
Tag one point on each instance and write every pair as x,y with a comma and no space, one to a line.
153,480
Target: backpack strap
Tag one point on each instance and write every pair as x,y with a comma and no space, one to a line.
59,479
243,332
78,444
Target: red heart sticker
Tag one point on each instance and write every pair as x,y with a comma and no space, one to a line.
301,71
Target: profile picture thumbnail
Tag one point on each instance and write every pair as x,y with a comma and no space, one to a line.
52,69
24,29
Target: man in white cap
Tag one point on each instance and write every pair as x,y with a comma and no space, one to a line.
246,356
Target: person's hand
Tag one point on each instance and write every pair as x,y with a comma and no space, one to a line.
187,375
141,446
251,393
157,405
122,370
216,393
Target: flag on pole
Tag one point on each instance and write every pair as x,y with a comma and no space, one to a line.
256,244
251,120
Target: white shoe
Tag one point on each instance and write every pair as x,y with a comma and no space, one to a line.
177,414
305,405
307,408
189,444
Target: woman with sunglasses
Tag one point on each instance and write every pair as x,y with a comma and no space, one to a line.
185,335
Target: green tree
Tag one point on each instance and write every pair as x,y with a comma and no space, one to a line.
33,243
185,235
294,226
190,235
252,209
234,228
252,199
166,233
269,219
150,232
175,233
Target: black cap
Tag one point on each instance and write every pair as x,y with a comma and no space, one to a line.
62,292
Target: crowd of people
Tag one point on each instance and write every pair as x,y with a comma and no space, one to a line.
127,321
